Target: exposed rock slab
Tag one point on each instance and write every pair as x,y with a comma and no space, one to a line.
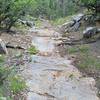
54,77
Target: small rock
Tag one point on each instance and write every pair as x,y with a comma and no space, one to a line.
3,49
98,56
89,32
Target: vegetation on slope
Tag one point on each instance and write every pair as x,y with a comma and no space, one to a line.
11,84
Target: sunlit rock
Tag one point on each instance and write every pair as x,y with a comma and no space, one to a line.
3,49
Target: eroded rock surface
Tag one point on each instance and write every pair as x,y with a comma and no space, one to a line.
53,77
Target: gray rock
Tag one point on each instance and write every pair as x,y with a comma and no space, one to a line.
72,25
66,26
3,49
76,26
78,17
89,32
98,30
28,23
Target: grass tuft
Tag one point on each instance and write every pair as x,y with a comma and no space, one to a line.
16,84
85,59
33,50
61,21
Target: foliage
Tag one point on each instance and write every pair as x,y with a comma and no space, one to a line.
54,8
85,59
16,84
1,58
93,5
9,81
12,10
60,21
3,70
38,23
88,62
78,49
89,1
33,50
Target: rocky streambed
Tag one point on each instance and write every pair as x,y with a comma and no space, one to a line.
52,77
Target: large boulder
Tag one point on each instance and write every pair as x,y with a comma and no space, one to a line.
66,26
72,25
89,32
75,27
77,19
3,49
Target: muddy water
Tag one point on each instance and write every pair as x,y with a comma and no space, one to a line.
55,78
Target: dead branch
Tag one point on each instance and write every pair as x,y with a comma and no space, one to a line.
79,42
14,47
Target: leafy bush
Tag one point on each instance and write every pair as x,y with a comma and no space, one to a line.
12,10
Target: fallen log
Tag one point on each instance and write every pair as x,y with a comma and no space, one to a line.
79,42
14,47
